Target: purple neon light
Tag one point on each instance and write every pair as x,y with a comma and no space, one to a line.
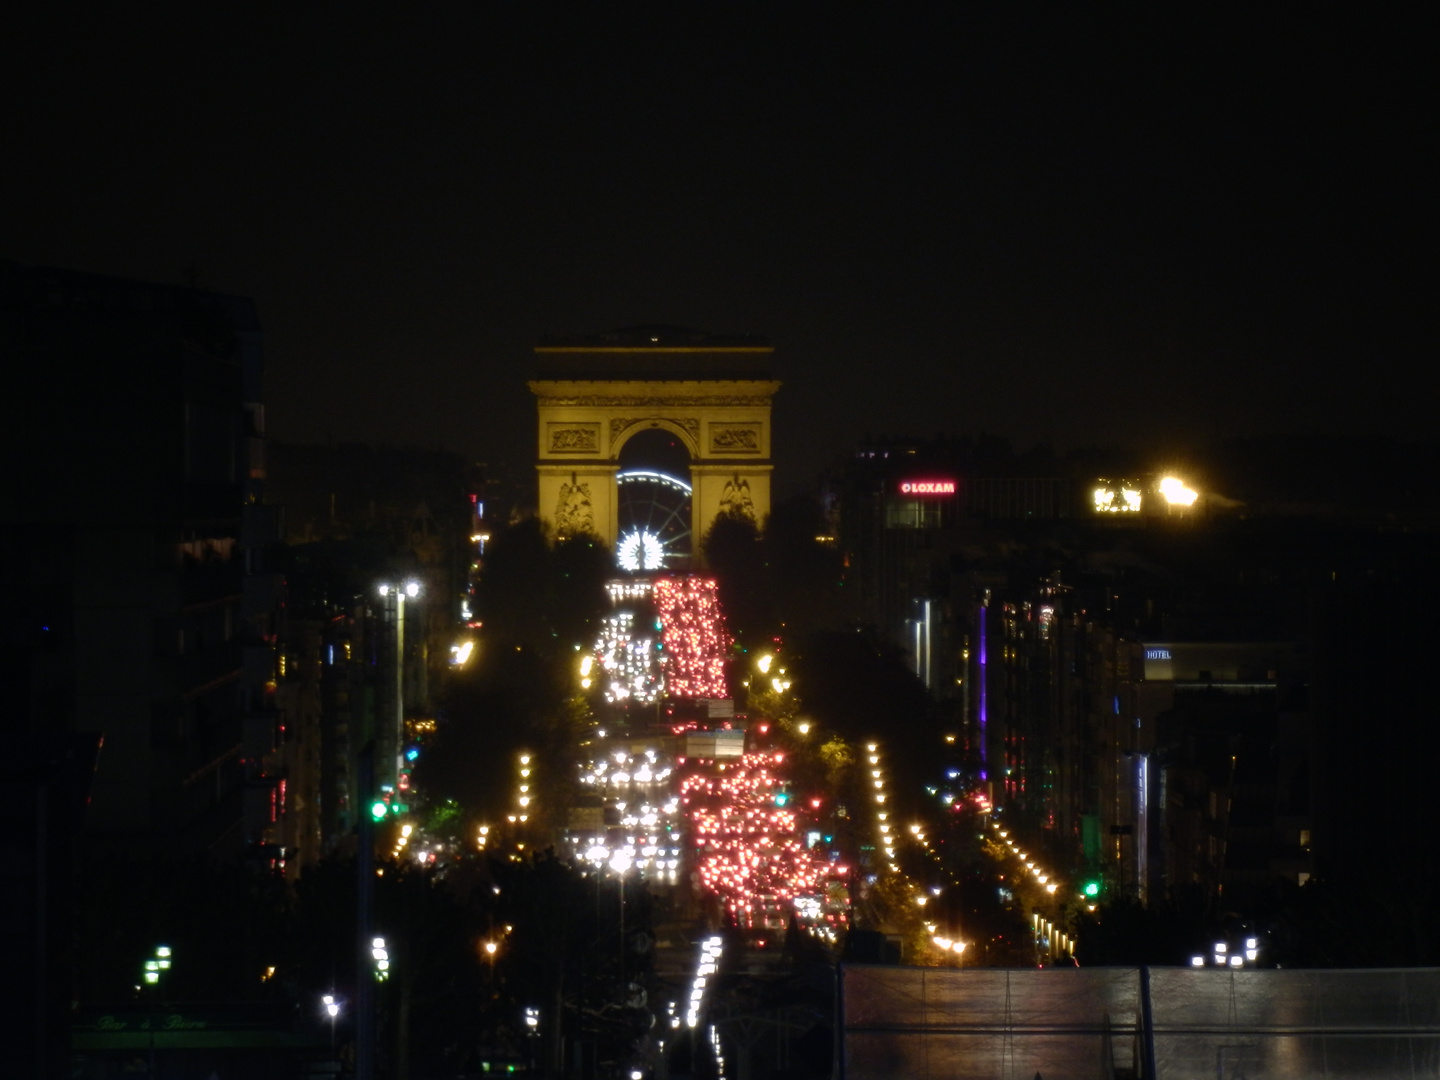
984,774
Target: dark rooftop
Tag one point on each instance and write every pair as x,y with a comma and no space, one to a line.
654,351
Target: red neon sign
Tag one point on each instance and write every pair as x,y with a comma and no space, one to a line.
927,487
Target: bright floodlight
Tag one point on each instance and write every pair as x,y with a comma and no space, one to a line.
412,589
1176,493
640,550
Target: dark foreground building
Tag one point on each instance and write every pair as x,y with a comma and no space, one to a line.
138,605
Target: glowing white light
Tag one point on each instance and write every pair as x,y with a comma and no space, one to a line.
640,550
1110,501
1176,493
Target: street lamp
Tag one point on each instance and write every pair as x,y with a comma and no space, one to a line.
155,965
332,1010
381,956
389,737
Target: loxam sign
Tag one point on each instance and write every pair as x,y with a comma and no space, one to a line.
927,487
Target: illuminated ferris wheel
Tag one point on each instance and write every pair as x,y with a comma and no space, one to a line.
654,519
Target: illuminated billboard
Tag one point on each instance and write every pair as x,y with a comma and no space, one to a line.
927,487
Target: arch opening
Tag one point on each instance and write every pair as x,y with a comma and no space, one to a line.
654,503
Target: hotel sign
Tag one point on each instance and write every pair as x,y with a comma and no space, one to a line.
927,487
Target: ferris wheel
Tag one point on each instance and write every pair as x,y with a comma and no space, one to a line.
654,521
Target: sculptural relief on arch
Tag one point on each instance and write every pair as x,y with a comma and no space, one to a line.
595,394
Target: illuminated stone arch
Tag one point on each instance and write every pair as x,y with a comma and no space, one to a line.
634,426
595,394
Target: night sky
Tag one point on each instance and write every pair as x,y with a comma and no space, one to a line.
1084,228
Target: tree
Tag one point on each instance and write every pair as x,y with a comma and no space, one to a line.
567,950
538,602
224,919
804,575
734,555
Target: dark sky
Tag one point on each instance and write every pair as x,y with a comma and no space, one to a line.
1089,228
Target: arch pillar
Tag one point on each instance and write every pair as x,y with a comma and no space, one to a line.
581,497
721,486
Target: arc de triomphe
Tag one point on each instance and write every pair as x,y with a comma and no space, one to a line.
595,394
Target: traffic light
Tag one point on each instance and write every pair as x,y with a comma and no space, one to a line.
1090,889
378,809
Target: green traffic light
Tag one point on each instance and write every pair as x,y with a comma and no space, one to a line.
378,809
1092,888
